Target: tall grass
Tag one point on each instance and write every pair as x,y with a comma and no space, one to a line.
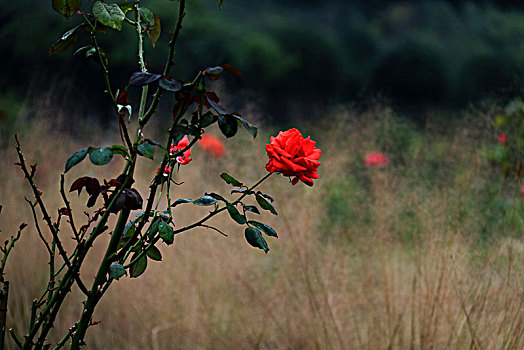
423,254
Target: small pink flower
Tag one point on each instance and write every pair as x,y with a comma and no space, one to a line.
503,138
375,159
184,158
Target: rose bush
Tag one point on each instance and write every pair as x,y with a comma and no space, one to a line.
292,155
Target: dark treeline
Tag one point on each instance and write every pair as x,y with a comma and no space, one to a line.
295,54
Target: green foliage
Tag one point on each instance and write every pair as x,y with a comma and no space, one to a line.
235,215
205,201
109,15
116,271
139,267
67,7
231,180
264,204
75,158
100,156
255,239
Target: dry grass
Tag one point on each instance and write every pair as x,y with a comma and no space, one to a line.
402,269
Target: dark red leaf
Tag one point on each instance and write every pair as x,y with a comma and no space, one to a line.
115,183
64,211
232,70
122,98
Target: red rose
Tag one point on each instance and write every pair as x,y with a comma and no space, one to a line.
503,138
184,158
375,159
292,155
212,145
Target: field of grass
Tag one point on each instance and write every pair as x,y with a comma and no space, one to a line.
425,253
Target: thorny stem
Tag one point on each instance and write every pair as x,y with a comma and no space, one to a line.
169,63
47,218
7,250
48,315
68,207
141,61
100,278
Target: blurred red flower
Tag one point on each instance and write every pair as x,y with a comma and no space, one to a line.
375,159
212,145
503,138
522,191
292,155
166,171
184,158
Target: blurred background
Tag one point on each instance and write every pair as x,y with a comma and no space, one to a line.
424,252
296,56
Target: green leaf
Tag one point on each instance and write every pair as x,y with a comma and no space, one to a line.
100,156
154,254
116,271
207,119
267,196
250,128
216,196
166,233
153,227
251,208
146,149
265,204
76,158
67,40
109,14
154,32
120,150
129,231
268,230
228,125
181,201
205,201
254,237
67,7
231,180
146,16
235,215
169,85
138,267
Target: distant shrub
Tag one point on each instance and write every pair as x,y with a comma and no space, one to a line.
484,75
411,73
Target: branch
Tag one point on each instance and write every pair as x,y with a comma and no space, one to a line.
47,218
7,249
196,224
68,207
169,63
